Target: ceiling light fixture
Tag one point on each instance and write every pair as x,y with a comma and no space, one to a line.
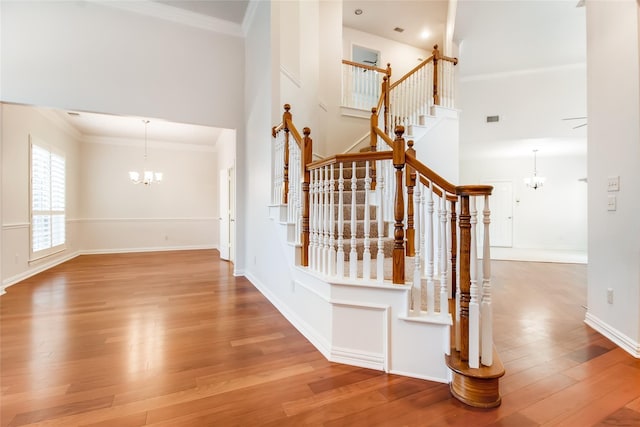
398,29
425,34
535,181
358,12
148,177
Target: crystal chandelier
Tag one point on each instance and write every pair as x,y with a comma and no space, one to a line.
147,177
535,181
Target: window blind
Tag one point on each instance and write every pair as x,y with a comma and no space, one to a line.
47,200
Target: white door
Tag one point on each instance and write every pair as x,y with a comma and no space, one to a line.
232,215
224,214
501,206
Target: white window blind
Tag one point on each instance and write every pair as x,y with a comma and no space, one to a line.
47,201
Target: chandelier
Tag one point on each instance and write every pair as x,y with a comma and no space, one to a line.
535,181
147,177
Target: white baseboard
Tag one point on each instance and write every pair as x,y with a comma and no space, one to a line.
107,251
423,377
358,358
303,327
538,255
36,270
627,344
47,265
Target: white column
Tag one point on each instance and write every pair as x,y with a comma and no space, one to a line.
474,308
340,253
486,311
380,219
353,256
366,256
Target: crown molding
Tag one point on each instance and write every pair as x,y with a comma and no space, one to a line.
177,15
249,15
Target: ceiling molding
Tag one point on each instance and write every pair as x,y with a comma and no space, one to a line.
177,15
58,120
249,14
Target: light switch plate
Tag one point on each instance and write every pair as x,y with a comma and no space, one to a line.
611,202
613,183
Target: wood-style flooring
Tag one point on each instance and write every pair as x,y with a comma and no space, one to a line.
174,339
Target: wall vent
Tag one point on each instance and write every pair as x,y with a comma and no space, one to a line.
493,119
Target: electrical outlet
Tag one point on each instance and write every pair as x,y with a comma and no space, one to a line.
613,183
610,295
611,202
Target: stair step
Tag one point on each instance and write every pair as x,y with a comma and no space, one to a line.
373,229
387,247
359,212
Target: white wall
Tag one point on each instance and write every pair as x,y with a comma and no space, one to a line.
18,123
531,105
614,150
402,57
88,56
180,212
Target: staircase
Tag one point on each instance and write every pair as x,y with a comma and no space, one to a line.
384,246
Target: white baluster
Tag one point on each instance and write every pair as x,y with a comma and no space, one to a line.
366,255
380,219
332,224
321,223
353,256
416,291
444,294
474,309
486,310
325,217
340,254
312,219
429,244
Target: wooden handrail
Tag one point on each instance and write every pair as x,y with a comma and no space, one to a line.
351,157
384,136
450,197
413,71
430,174
366,67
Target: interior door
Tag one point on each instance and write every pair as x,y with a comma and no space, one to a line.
501,206
224,214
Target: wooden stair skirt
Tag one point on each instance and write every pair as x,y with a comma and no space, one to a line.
477,387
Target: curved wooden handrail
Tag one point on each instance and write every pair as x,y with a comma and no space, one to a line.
366,67
450,197
413,71
430,174
384,136
351,157
276,129
450,59
474,190
294,131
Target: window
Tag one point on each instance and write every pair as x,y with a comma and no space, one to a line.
47,200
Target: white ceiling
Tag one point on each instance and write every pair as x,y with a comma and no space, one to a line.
133,128
380,17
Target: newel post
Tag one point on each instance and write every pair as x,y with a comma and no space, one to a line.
410,175
398,233
465,274
373,144
306,157
436,77
286,119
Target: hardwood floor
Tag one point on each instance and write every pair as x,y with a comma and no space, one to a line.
173,339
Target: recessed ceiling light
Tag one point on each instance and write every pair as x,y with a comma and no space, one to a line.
425,34
398,29
358,11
